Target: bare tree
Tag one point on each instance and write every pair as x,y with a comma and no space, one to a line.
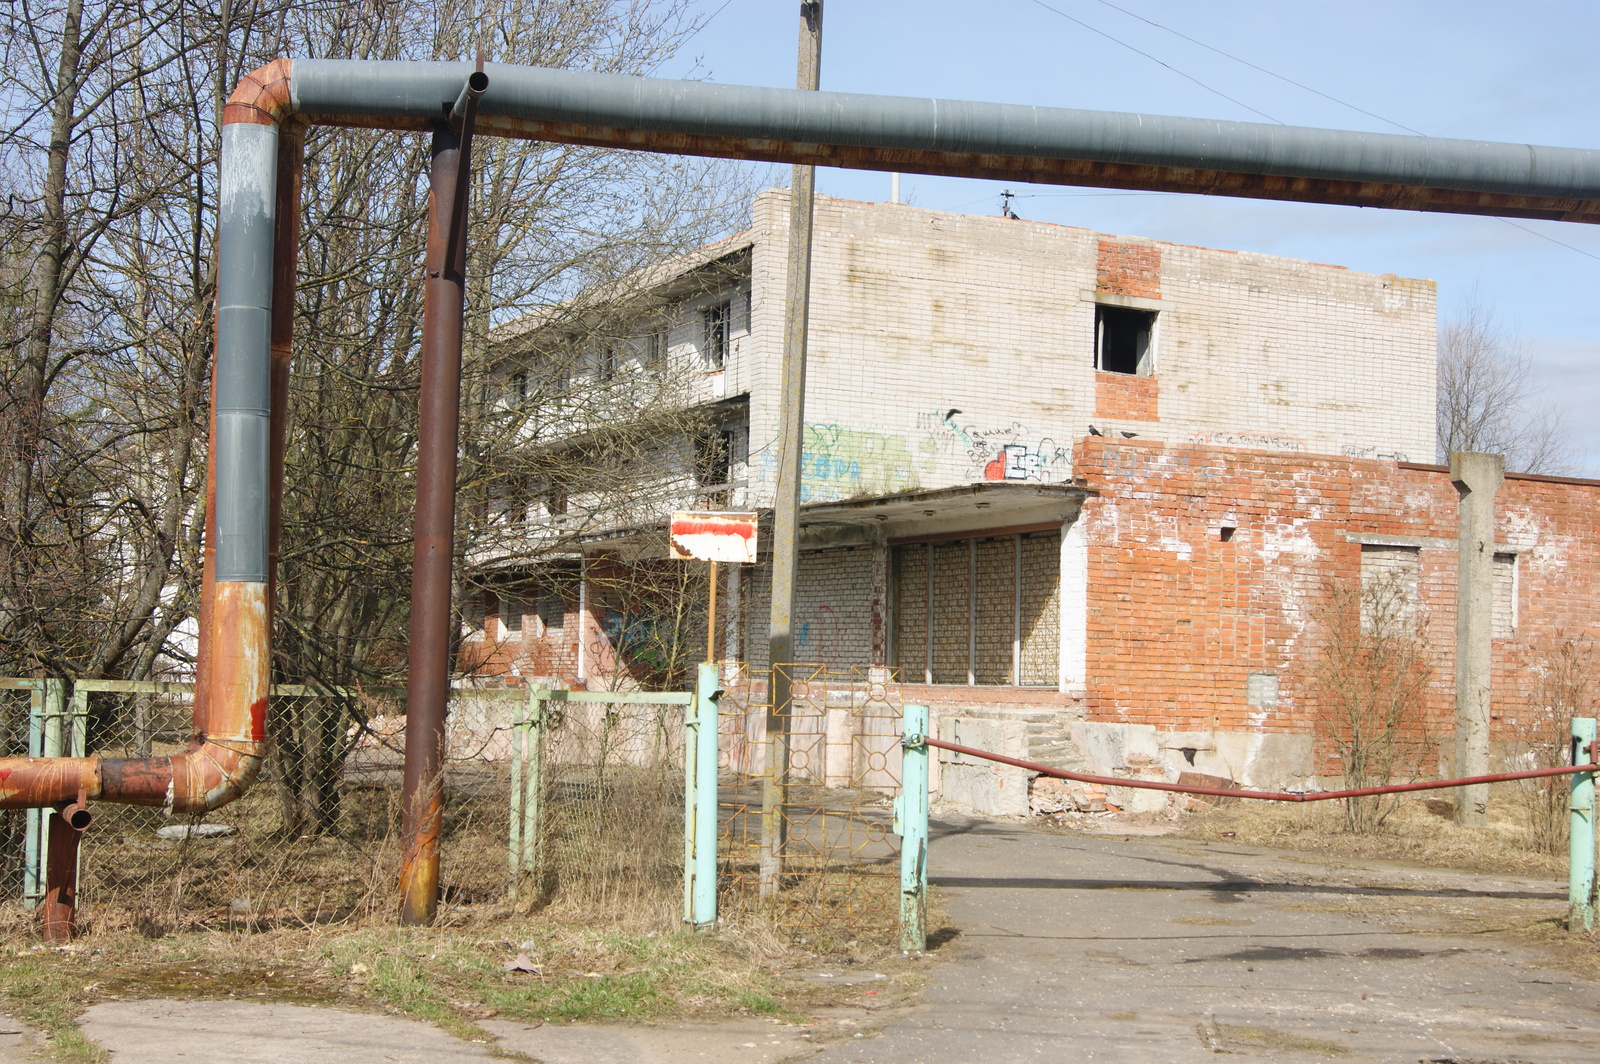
1489,401
108,167
1368,680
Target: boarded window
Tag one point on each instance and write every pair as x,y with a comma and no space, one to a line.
984,610
1389,583
1505,596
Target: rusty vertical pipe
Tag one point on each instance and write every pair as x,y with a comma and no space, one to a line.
438,419
59,909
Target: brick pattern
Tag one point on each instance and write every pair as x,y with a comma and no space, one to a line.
911,612
1125,397
1125,269
950,649
1178,617
995,589
1041,608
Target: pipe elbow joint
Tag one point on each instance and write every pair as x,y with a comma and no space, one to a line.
262,96
211,774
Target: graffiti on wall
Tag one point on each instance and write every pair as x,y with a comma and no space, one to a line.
1351,450
1005,452
841,463
1257,441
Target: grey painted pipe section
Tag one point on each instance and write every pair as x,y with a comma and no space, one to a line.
351,88
244,357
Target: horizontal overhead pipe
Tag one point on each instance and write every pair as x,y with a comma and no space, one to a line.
1268,796
902,134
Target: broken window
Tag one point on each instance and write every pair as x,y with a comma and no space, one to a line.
713,465
555,496
983,610
1390,577
718,319
1122,340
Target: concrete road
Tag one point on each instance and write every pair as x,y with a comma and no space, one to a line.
1071,949
1160,950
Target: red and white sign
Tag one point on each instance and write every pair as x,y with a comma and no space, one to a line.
715,536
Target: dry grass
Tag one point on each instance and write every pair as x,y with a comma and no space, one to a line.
1419,831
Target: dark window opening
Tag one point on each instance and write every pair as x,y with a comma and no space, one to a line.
713,459
1227,533
1122,340
718,319
511,613
555,497
608,362
519,386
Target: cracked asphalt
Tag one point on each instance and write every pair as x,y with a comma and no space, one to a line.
1079,948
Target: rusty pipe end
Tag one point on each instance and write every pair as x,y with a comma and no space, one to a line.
76,814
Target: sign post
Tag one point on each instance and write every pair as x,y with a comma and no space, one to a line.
710,536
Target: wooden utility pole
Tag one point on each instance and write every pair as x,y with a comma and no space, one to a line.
791,439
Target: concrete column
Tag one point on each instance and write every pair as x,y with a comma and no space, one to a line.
1476,477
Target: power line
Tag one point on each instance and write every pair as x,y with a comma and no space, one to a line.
1285,80
1153,59
1262,69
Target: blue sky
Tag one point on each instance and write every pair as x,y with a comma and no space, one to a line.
1511,72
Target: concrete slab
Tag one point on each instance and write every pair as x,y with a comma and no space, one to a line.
19,1044
162,1032
1142,950
730,1042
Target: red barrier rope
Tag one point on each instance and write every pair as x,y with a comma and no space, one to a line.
1270,796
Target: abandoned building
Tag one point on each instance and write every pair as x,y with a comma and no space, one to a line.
1086,496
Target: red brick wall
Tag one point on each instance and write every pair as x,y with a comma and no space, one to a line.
1128,269
1178,617
1126,397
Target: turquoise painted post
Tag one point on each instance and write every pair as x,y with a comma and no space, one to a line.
1580,864
911,824
34,844
691,744
706,694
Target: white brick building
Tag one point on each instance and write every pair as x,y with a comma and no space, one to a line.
954,363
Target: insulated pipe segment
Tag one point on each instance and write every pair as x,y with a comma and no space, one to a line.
1044,144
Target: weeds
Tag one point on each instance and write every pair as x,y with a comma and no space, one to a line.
1368,680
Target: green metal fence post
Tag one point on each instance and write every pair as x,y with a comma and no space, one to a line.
706,694
1580,865
527,796
78,742
35,840
691,744
911,824
519,753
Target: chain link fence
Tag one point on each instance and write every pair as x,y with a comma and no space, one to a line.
837,769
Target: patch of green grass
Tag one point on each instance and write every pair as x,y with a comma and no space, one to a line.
44,994
1267,1038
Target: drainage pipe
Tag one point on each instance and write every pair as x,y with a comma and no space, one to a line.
1010,142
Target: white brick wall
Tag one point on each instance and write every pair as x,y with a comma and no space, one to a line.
939,339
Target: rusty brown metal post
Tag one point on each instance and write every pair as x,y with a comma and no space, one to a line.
438,423
59,909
